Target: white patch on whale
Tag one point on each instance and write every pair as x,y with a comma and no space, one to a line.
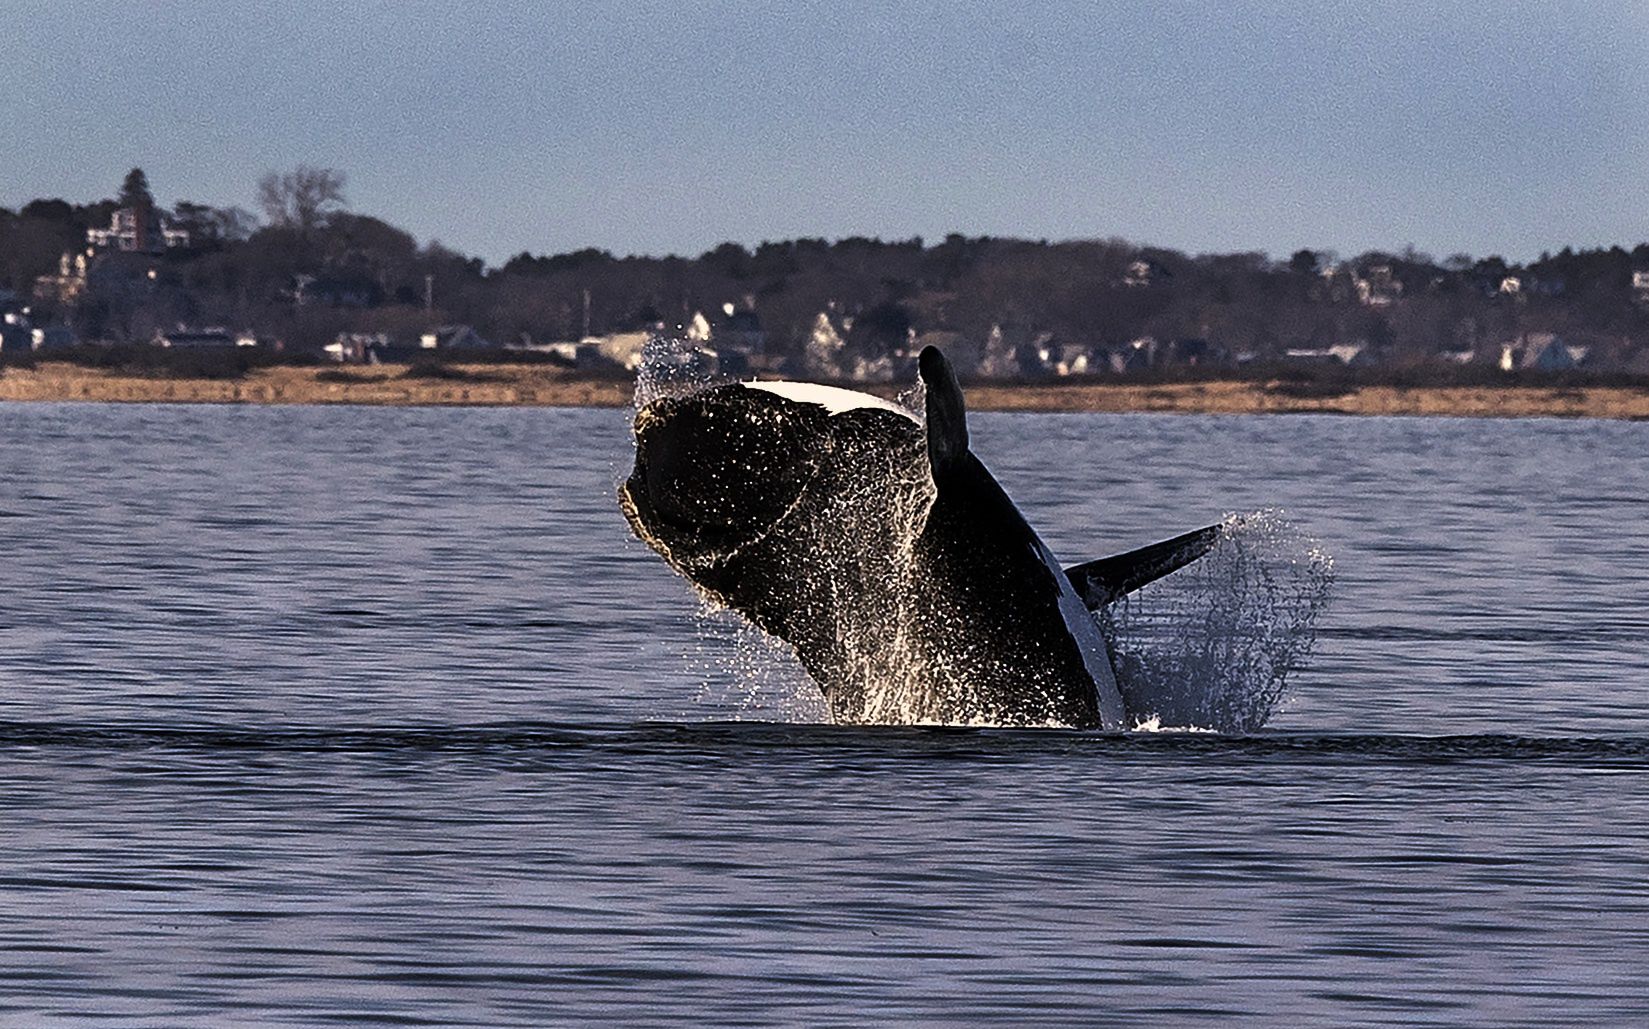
1079,622
833,399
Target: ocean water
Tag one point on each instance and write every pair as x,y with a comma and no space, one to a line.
349,716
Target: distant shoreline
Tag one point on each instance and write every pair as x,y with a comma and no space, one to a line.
498,385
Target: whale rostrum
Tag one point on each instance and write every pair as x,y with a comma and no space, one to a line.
879,547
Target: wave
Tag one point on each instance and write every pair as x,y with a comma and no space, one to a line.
1570,632
666,739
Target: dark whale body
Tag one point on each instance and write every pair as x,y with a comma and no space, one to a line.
883,551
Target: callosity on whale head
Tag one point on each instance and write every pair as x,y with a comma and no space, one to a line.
882,551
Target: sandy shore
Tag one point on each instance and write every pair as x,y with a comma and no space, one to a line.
543,385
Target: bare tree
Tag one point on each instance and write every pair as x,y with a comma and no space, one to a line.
301,198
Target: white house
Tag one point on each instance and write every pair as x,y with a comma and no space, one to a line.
202,338
1379,286
1541,352
1341,353
139,231
454,337
621,348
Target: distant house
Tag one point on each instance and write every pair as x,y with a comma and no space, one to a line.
1378,286
825,347
1640,286
1143,272
138,230
1052,357
1133,356
672,360
1078,361
1196,352
1348,354
963,355
1339,283
1510,286
1541,352
16,331
617,349
67,285
1043,357
201,339
899,366
734,329
1047,356
54,336
334,291
455,337
739,330
620,351
995,355
358,348
588,357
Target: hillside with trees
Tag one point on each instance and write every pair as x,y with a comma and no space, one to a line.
309,268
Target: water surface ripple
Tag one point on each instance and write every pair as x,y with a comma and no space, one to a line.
354,716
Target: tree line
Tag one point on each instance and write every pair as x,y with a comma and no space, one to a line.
307,267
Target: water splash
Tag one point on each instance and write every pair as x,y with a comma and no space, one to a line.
889,505
1209,647
1212,645
674,366
749,676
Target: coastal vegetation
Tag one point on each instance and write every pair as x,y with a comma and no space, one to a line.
502,384
308,271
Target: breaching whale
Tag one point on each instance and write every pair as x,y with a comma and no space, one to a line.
879,547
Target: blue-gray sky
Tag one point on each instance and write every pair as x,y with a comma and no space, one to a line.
641,127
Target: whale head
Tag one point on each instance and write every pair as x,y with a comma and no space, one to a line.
716,471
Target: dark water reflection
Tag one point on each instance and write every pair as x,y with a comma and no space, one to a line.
314,715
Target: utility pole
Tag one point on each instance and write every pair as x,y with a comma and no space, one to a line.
586,312
429,292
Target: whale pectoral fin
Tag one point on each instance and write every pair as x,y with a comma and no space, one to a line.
1100,582
946,416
